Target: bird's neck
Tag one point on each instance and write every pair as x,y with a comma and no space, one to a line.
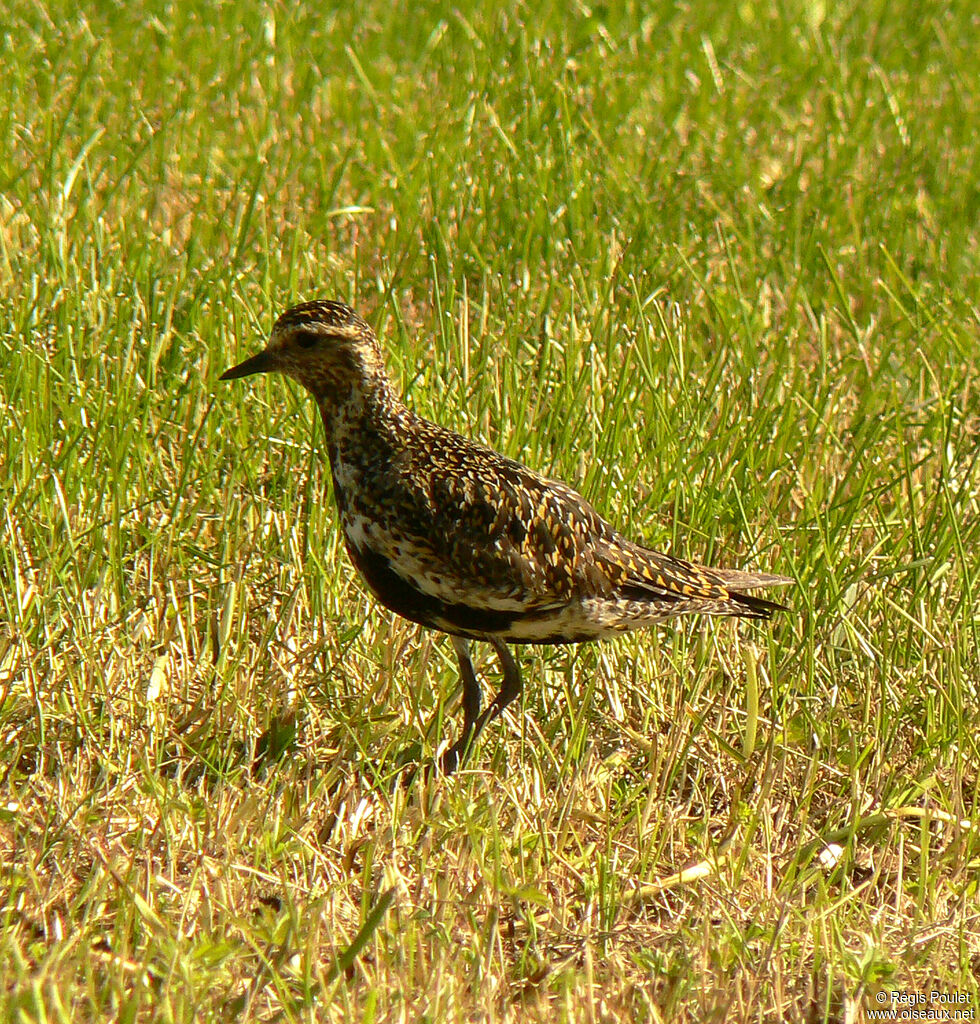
370,406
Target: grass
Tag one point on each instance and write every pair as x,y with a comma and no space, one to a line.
714,264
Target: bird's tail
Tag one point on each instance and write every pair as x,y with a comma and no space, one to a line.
747,605
661,578
750,580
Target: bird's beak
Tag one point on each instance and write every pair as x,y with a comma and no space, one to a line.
263,362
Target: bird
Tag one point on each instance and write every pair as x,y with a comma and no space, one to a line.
450,534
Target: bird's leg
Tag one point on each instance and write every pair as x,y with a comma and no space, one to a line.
510,689
473,721
453,757
471,686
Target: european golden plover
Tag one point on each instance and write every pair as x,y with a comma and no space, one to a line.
459,538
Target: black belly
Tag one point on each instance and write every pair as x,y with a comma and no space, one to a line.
397,594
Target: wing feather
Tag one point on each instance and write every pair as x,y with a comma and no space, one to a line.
468,526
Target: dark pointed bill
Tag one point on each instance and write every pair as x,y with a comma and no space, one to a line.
260,363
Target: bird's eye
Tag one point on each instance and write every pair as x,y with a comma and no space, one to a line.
305,339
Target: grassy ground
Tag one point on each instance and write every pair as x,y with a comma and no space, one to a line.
716,264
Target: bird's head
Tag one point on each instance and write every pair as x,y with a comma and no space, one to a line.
323,345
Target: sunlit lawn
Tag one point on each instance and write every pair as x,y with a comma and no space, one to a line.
716,266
